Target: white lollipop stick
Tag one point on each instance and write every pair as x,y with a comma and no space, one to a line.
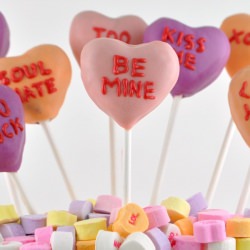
220,162
244,194
128,168
162,166
112,155
22,194
60,164
12,192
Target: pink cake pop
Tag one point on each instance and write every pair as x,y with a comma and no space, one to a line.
88,25
12,135
128,82
5,36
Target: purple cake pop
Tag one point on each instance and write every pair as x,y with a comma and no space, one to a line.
12,130
203,53
5,36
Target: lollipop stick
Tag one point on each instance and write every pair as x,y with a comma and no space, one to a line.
128,168
244,194
23,197
220,162
59,161
161,167
112,155
12,192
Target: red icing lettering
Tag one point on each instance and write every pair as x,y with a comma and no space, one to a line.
201,44
236,36
28,93
3,79
43,71
120,65
136,65
189,61
16,125
5,110
148,91
1,138
125,37
133,219
17,74
190,41
112,34
247,110
117,244
98,31
129,88
242,91
135,89
32,72
167,35
49,83
5,132
38,87
105,82
172,239
102,32
247,39
180,38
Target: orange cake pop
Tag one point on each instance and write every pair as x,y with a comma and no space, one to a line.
40,77
237,28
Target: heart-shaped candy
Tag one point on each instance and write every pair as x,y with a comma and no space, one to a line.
239,102
12,130
128,81
40,77
5,36
202,52
237,29
88,25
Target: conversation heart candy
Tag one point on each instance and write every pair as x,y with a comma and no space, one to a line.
237,29
5,36
12,130
239,102
202,52
128,81
40,77
88,25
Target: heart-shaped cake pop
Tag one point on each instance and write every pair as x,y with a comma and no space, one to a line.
40,77
202,52
5,36
239,102
237,29
128,81
88,25
12,130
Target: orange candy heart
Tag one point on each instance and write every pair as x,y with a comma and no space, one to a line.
239,102
237,29
40,77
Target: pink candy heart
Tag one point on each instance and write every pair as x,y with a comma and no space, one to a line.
89,25
127,82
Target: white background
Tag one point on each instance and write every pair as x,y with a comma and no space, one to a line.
81,129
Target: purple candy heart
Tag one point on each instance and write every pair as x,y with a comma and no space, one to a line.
5,36
203,52
12,130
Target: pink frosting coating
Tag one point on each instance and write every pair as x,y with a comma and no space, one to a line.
128,81
88,25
